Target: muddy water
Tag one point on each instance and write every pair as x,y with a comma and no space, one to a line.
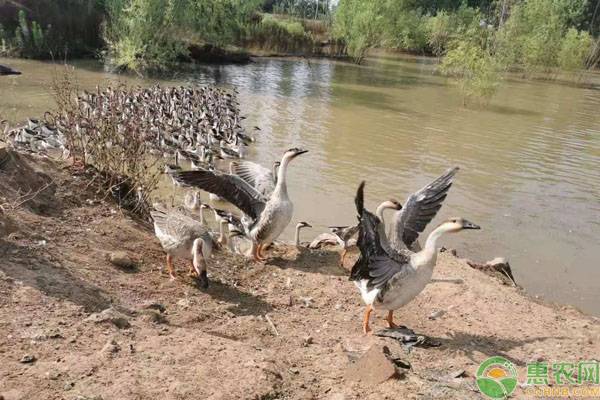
530,161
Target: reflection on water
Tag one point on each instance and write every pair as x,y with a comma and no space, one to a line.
530,162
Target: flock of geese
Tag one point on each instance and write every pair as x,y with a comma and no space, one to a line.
392,269
203,125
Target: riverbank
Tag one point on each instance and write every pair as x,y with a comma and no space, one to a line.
170,340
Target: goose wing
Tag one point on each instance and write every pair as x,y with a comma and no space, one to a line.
375,262
174,228
256,175
420,208
229,187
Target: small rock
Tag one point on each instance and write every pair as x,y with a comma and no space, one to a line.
307,341
459,373
69,385
184,303
153,305
121,259
52,375
307,301
436,314
111,347
153,317
110,315
27,359
372,368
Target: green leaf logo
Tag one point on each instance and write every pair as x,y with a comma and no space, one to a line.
497,377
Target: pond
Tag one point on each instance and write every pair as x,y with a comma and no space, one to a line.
530,160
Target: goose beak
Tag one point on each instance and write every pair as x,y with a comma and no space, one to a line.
300,151
470,225
308,225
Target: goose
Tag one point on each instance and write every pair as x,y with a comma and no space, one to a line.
418,211
388,279
344,235
184,237
4,70
192,203
300,225
265,216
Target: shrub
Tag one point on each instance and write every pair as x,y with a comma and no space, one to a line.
114,146
279,34
474,69
575,50
532,37
358,23
439,32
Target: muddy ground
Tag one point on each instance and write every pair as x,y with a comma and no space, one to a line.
75,326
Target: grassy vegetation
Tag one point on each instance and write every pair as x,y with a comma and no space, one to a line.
478,42
50,28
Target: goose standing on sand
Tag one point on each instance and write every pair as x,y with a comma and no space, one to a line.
183,237
265,216
418,211
388,279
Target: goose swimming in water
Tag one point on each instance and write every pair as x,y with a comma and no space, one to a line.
388,279
265,216
418,211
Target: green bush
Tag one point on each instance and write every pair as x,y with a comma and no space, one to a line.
152,34
279,34
474,69
532,38
358,23
439,32
141,33
575,50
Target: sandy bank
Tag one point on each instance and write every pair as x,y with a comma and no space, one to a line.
56,280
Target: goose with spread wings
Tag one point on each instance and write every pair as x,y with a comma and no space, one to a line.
260,178
418,211
266,216
386,278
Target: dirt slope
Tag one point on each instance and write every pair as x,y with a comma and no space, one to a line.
56,285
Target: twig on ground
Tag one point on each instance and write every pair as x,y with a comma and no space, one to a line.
272,325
